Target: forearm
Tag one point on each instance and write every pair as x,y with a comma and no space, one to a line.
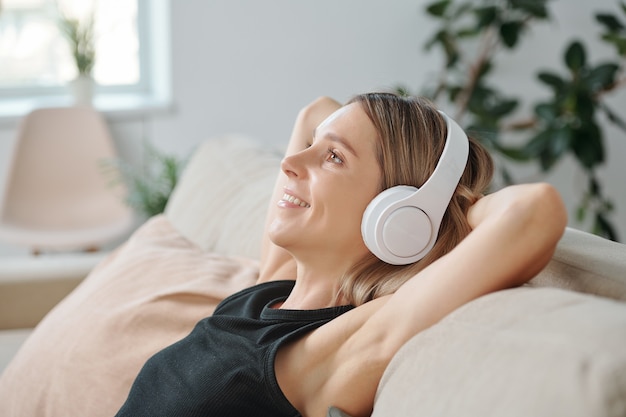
515,233
307,120
522,223
272,257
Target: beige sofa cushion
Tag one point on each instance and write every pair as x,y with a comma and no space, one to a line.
586,263
540,352
82,358
222,198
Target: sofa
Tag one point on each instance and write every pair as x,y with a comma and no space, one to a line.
553,347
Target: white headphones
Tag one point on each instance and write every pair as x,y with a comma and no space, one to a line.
401,224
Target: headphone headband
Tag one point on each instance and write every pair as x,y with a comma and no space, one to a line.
400,226
447,174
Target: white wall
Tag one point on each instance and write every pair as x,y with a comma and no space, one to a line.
249,66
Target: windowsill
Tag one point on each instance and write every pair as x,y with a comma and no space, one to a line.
114,106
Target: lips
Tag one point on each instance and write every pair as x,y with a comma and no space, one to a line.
295,200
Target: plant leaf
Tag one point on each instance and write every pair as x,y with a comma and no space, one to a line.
536,8
560,142
581,213
402,91
461,10
585,107
547,111
610,22
575,56
485,16
504,107
438,8
468,32
553,80
509,33
448,44
587,144
515,153
602,76
536,145
556,143
436,38
594,186
618,41
613,117
506,176
604,228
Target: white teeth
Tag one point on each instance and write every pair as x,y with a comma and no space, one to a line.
296,201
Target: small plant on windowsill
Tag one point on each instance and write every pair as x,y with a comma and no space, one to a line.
148,187
80,36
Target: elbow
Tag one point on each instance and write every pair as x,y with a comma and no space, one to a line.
552,207
541,220
548,214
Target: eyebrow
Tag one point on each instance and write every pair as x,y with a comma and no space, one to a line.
336,138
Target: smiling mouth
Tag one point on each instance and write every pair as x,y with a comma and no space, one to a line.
294,200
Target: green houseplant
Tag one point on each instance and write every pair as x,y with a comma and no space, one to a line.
564,123
80,37
149,185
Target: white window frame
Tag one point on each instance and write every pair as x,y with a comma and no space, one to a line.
151,93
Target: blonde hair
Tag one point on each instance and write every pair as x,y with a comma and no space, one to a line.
411,136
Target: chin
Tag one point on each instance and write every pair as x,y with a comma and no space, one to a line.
279,236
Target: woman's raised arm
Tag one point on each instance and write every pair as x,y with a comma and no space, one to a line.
276,263
515,232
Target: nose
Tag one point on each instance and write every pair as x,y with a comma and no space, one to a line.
292,165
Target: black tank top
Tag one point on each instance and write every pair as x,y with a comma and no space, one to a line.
225,367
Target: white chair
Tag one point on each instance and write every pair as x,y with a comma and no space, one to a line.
56,196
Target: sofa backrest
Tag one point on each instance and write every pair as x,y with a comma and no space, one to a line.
221,199
586,263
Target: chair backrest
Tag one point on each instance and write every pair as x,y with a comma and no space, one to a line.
55,180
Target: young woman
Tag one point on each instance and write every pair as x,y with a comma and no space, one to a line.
327,315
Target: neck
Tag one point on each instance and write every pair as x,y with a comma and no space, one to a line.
319,274
313,290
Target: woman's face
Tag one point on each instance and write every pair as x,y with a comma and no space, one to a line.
328,188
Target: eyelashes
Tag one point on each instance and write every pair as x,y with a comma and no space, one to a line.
334,157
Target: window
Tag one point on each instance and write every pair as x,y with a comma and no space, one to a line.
36,59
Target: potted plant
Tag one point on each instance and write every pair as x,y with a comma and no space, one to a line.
80,36
564,123
150,185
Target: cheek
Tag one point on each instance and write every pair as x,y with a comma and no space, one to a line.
350,213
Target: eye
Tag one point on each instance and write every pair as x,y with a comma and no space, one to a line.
334,157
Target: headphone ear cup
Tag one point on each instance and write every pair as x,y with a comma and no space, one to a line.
406,232
396,233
